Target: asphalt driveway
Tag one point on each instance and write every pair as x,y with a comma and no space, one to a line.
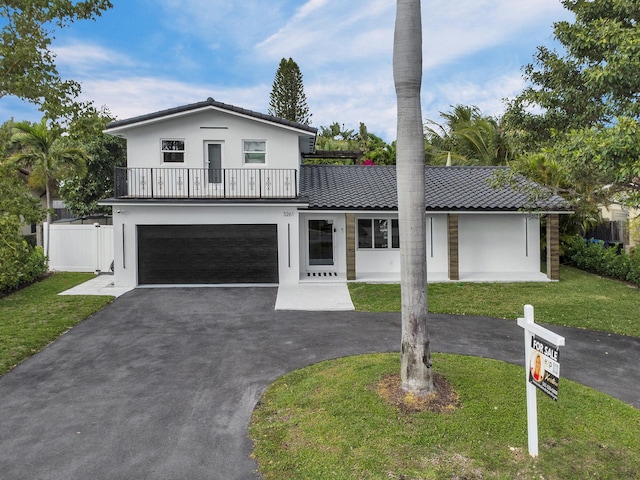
161,384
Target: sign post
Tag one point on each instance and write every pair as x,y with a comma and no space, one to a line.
542,362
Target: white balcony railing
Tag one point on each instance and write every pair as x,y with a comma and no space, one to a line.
205,183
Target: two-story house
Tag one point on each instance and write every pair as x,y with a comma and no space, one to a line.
216,194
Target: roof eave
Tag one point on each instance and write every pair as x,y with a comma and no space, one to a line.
120,126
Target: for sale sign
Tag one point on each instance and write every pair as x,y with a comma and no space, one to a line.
544,366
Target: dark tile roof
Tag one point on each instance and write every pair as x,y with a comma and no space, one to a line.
210,102
446,188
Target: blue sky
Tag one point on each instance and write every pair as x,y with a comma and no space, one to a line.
147,55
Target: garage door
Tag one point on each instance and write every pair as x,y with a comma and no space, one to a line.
200,254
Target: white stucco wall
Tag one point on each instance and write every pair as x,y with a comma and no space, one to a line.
493,243
372,262
126,218
198,128
437,252
488,243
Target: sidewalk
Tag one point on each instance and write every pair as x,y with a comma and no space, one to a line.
320,297
100,285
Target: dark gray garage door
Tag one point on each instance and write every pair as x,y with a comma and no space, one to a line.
193,254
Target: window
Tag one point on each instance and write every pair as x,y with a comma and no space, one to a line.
254,151
378,233
172,151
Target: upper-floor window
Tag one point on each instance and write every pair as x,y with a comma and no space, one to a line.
254,151
172,151
378,233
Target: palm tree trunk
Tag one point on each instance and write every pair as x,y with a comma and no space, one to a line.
416,372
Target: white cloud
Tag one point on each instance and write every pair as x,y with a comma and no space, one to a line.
334,31
487,94
82,57
369,99
451,33
361,32
133,96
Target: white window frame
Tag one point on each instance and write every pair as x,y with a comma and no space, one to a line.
246,152
163,150
389,237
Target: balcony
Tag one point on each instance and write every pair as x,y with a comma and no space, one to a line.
183,183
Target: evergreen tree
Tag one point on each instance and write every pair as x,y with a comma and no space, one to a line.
287,99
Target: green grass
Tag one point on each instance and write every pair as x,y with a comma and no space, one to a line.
580,299
33,317
325,421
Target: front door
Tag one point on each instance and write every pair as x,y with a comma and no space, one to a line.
321,244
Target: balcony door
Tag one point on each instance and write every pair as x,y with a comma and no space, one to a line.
214,163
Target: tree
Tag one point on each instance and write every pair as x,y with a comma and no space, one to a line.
338,138
7,148
19,262
591,83
49,157
580,111
384,153
287,98
416,370
27,65
467,137
601,165
104,153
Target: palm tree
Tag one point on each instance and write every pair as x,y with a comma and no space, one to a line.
468,137
415,371
48,156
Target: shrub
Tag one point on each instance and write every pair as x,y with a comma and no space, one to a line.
31,239
596,257
21,263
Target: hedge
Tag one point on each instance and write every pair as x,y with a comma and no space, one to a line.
597,257
20,263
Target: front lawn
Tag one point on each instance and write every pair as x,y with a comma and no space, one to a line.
33,317
580,299
328,421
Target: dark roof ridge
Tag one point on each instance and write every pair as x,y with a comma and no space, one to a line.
213,103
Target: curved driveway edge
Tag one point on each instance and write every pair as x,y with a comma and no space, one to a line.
161,384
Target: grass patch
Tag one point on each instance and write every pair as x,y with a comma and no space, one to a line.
328,421
33,317
580,299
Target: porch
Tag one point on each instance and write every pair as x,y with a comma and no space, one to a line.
258,183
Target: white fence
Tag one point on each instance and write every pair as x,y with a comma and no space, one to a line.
80,248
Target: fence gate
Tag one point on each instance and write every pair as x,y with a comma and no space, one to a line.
80,248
